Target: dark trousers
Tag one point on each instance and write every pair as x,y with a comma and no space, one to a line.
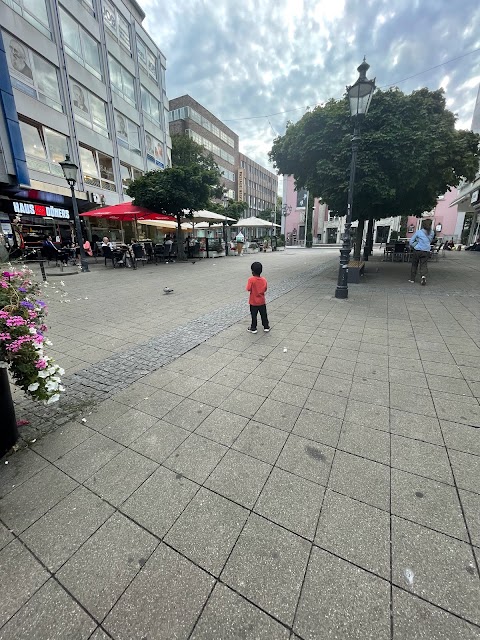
419,258
263,315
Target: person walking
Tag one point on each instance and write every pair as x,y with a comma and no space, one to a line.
257,287
240,240
420,243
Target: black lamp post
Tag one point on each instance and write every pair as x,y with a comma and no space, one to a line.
225,205
70,170
359,95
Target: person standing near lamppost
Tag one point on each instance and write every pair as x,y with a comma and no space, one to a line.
359,95
70,170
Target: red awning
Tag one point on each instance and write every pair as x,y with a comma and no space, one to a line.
126,211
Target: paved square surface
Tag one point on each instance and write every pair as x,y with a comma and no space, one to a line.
319,481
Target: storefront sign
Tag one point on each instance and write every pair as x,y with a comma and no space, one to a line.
40,210
475,197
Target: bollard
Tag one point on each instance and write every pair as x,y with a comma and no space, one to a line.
42,269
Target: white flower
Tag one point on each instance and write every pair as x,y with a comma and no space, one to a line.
43,374
51,370
61,371
34,386
61,387
48,342
54,398
33,331
55,379
51,386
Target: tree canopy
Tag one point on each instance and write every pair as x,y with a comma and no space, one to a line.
186,152
175,190
409,154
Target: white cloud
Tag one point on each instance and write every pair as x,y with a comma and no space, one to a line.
263,57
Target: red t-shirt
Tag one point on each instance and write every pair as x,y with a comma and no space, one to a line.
257,287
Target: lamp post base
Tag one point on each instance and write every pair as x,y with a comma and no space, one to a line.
341,293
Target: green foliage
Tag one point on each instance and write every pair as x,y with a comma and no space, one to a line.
234,209
266,214
394,235
174,190
186,151
403,226
410,152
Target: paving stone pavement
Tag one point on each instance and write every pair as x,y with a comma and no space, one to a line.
319,481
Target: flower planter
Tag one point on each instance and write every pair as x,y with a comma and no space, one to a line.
280,248
8,429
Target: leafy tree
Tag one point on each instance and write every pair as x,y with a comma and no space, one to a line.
410,152
266,214
234,209
176,190
186,152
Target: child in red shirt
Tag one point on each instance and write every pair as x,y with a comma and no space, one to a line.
257,287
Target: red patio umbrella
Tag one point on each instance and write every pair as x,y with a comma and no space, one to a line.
127,212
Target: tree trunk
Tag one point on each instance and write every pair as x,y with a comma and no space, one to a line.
369,240
8,426
180,244
359,240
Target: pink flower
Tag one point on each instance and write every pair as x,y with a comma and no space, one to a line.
15,321
41,364
5,336
3,284
4,314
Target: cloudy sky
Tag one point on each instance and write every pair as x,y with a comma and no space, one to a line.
244,60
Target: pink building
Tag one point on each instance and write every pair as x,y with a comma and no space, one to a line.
444,218
293,213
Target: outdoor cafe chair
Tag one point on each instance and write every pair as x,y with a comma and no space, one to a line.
108,254
159,253
148,246
139,253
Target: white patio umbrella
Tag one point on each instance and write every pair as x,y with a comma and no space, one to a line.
254,223
207,216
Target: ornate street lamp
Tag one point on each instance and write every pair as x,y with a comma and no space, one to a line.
70,171
359,96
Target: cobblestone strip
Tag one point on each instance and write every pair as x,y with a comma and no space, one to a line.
101,380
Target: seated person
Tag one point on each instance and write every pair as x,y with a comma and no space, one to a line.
106,243
475,246
87,247
50,251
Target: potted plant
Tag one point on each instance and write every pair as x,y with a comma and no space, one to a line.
393,235
253,247
22,342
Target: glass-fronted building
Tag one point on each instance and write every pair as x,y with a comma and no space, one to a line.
81,77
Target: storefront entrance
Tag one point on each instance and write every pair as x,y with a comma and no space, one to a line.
332,235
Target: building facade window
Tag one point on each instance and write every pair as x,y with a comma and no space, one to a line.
129,174
123,83
117,24
154,151
188,112
31,74
89,110
128,133
80,45
147,59
209,146
34,12
44,148
226,173
97,169
150,106
88,5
